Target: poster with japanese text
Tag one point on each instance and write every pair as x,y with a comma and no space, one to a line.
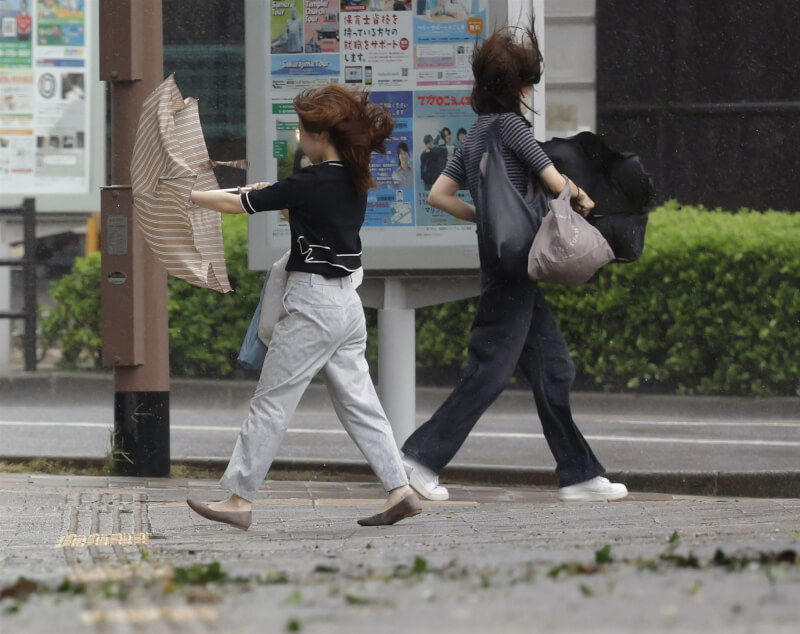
44,116
376,49
392,203
375,5
441,123
445,33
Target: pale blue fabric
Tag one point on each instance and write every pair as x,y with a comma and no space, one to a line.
252,353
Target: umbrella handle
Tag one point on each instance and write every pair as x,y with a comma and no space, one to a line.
241,164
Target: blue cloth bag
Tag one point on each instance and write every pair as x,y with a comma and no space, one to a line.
252,353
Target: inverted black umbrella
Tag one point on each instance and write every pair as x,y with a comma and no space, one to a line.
616,181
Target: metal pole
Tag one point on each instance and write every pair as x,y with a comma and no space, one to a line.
397,376
29,268
135,335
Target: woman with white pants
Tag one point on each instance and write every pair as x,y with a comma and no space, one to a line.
324,328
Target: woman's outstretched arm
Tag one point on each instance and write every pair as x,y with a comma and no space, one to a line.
223,202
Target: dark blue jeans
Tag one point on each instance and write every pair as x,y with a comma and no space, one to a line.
513,326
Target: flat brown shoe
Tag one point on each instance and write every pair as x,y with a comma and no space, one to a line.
409,506
237,519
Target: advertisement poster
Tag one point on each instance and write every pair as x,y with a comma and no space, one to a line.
16,92
445,32
377,47
44,116
392,204
286,150
60,23
293,73
441,123
375,5
16,28
304,44
321,22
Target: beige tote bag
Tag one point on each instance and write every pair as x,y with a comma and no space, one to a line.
567,249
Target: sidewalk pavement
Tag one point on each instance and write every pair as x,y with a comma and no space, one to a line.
78,389
125,554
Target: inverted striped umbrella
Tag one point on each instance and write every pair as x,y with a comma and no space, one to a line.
170,159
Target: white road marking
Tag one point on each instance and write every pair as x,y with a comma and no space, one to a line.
495,435
698,423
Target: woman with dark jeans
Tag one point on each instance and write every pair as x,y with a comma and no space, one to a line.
514,325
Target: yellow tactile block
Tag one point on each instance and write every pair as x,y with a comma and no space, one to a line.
176,614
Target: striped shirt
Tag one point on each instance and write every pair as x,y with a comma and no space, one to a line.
521,151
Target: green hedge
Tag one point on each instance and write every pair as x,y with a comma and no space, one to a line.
712,307
73,325
205,327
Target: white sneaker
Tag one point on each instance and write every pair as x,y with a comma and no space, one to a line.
595,490
424,481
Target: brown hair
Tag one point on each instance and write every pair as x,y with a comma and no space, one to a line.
357,127
502,67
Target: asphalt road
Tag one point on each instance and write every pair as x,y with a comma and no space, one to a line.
505,436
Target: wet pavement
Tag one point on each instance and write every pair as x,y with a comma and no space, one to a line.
128,555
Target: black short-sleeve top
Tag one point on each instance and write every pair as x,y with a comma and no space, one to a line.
325,216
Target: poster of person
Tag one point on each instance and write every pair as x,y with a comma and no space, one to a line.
442,121
321,20
286,30
376,5
445,32
377,49
60,23
392,204
16,26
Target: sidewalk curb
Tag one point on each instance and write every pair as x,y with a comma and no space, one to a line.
72,388
755,484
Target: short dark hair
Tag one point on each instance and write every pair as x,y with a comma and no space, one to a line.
427,139
502,67
402,146
460,130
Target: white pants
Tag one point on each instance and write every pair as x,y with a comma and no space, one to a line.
324,329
